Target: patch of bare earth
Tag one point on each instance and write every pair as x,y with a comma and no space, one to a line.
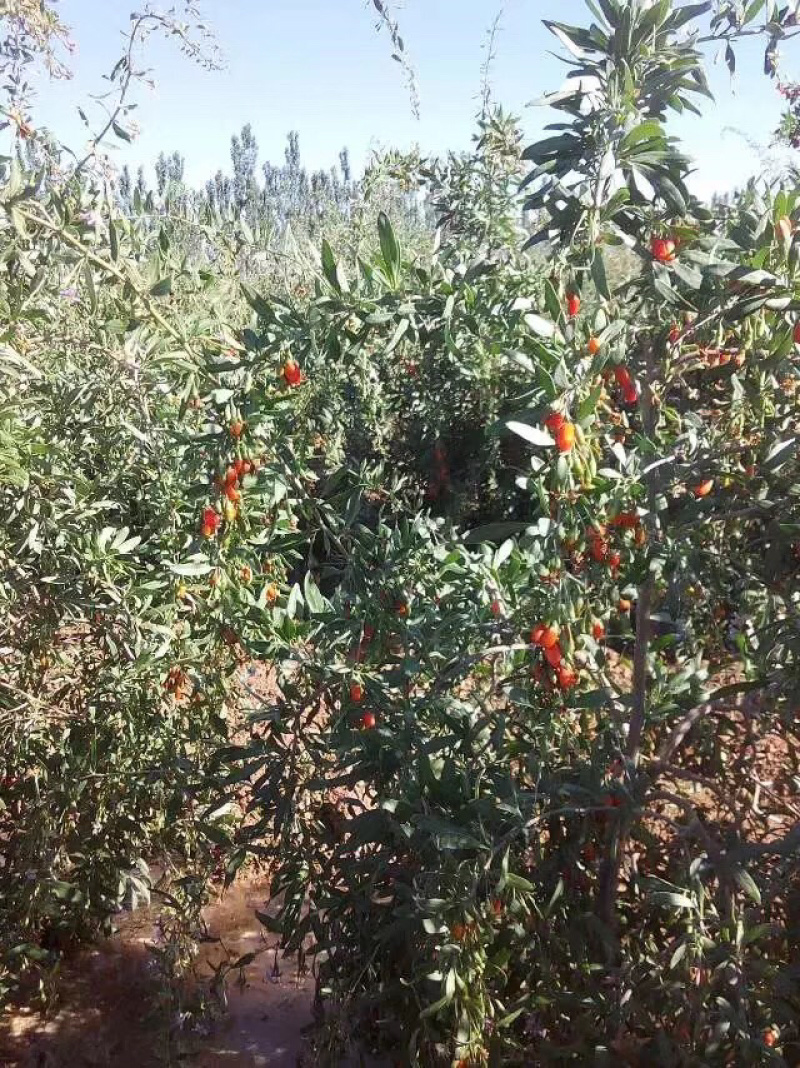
108,1005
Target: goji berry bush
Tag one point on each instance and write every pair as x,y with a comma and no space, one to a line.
513,524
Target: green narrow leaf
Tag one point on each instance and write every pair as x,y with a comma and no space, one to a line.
329,266
121,132
551,300
678,955
746,882
18,221
671,900
755,934
191,568
390,250
494,532
686,14
539,326
503,553
780,453
244,960
162,288
294,602
113,240
534,434
398,335
314,599
752,10
437,1006
588,404
272,923
557,893
256,302
517,882
599,275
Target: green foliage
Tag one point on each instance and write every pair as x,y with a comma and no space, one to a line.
508,814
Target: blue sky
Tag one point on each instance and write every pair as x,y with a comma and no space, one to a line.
318,66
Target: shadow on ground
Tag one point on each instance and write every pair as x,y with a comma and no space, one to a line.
108,1013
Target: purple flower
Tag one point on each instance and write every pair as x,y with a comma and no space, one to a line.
70,294
91,218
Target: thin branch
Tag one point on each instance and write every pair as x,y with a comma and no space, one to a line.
127,65
782,847
645,601
486,67
387,22
679,732
107,267
696,826
464,662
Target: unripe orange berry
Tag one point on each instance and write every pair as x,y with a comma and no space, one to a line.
565,437
703,488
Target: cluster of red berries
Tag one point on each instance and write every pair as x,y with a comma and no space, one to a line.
368,720
211,522
721,357
599,545
562,430
545,636
234,474
600,550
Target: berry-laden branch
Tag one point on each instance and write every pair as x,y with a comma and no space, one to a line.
610,869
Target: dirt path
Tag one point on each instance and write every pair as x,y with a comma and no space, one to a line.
108,1013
